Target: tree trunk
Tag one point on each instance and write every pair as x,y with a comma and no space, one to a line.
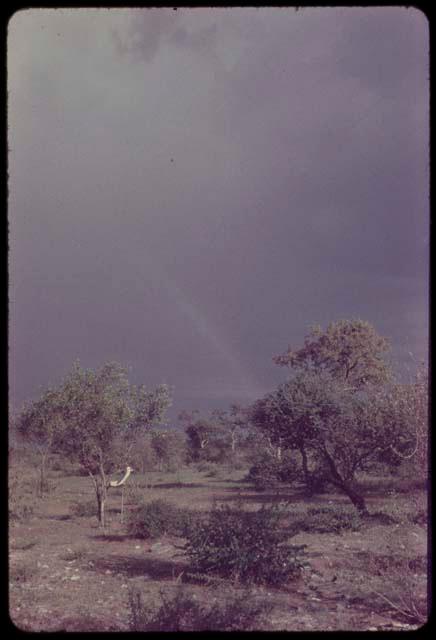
101,491
357,500
306,472
42,481
101,503
233,443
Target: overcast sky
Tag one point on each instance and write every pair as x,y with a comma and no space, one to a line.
189,190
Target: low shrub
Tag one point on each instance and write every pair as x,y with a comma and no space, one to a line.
158,518
250,546
181,610
331,519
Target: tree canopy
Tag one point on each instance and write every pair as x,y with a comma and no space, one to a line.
350,350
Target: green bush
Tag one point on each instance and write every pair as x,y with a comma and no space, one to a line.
158,518
248,546
332,519
268,472
181,610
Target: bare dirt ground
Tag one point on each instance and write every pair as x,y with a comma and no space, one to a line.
67,574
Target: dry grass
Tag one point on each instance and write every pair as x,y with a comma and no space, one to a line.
67,574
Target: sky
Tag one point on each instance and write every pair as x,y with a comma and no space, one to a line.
191,190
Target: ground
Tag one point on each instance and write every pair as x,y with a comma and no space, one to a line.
68,574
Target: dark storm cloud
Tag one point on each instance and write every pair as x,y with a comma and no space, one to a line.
191,189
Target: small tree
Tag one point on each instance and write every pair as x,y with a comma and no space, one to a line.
99,408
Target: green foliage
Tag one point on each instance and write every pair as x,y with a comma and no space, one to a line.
206,437
268,472
333,405
349,350
99,406
158,518
182,610
87,417
331,519
169,447
405,409
250,546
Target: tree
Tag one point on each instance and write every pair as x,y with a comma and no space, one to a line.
284,420
206,436
407,408
350,350
233,421
344,429
333,406
169,447
98,409
37,424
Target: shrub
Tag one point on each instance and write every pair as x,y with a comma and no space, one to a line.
182,611
84,509
158,518
244,545
332,519
268,472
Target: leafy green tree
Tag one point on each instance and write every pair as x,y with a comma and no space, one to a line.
234,422
350,350
37,424
332,409
342,428
97,409
205,436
